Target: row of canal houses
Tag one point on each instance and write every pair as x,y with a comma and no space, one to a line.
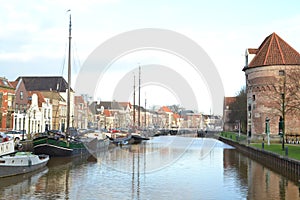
38,103
113,114
34,104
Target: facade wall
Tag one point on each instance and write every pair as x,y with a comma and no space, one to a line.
264,89
7,95
20,106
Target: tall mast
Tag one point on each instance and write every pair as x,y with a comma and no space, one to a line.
139,108
145,111
133,100
69,76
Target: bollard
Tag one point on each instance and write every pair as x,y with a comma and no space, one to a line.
286,151
263,145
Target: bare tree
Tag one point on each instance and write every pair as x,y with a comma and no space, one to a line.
285,92
238,109
174,108
292,91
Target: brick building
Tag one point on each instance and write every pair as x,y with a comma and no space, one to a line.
267,83
228,124
7,95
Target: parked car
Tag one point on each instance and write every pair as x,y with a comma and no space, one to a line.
4,137
16,135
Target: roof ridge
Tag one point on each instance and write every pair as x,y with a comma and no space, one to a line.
268,51
279,47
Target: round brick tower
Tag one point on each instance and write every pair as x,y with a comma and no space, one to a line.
268,79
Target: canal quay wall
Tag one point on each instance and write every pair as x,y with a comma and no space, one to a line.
281,164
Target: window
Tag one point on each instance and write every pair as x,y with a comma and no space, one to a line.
281,72
45,113
249,107
10,99
21,95
253,97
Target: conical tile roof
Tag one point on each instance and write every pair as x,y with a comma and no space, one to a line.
275,51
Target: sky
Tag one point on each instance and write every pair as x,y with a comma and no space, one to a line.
34,36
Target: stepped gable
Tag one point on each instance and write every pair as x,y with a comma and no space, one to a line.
44,83
274,51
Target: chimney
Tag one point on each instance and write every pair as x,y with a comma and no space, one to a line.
246,58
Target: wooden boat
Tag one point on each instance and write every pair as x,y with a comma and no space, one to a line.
96,143
138,138
14,163
130,138
121,140
58,147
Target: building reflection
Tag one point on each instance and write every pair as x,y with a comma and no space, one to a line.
57,182
144,171
250,173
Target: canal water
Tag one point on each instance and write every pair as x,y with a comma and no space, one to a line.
166,167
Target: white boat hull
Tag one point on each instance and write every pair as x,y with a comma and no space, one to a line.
21,163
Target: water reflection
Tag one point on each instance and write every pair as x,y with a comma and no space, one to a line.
162,168
257,181
13,187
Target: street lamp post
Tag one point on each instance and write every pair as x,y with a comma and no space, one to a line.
282,73
24,114
239,124
268,129
72,120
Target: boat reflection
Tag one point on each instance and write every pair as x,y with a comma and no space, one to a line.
17,186
162,168
58,180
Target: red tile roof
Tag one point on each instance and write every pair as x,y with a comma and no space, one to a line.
274,51
252,50
229,100
14,83
106,112
176,116
165,109
78,100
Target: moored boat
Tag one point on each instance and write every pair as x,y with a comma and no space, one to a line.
96,143
129,138
14,163
138,138
55,146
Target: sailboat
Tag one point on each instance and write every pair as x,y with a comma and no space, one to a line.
59,145
133,136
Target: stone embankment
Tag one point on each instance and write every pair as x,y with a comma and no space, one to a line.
281,164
